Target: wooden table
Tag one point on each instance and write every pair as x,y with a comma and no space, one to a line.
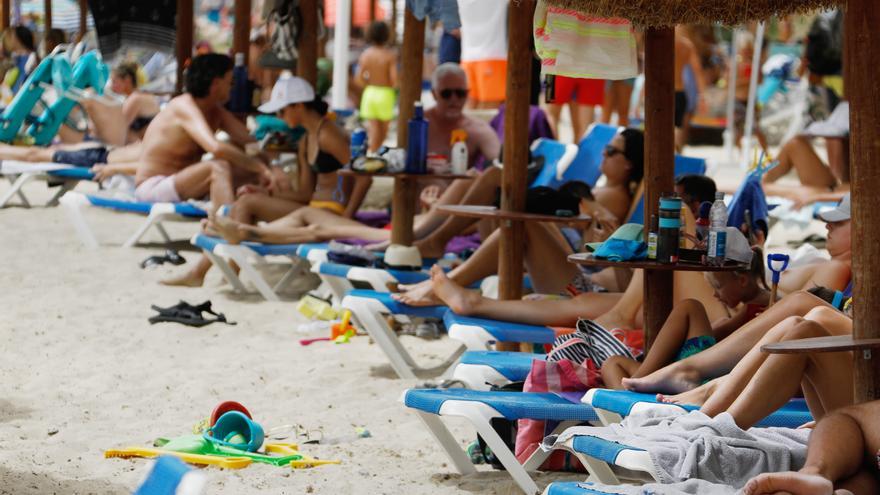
493,213
403,200
835,343
655,323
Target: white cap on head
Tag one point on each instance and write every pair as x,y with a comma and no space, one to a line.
287,91
839,213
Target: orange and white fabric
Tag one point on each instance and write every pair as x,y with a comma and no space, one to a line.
574,44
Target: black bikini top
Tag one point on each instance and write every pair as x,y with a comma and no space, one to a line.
325,163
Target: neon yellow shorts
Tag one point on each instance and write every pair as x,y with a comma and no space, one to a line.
377,103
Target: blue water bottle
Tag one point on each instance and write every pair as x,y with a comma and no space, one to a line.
358,143
239,98
417,142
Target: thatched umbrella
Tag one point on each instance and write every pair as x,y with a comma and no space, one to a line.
862,41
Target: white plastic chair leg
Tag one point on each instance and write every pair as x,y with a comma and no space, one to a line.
227,271
459,458
241,258
17,184
73,203
151,219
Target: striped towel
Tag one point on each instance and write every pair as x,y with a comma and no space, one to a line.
574,44
590,341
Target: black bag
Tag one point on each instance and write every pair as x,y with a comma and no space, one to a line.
505,428
824,50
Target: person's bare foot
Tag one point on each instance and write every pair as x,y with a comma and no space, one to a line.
420,294
460,300
789,482
188,279
665,381
695,397
229,229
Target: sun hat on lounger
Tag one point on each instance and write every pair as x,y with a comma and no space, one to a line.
838,214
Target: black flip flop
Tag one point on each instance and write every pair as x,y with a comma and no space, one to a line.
170,256
187,314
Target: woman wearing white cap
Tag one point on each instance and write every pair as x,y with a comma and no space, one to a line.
321,153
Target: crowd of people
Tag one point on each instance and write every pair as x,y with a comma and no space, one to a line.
708,352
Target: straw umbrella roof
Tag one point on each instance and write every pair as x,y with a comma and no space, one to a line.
659,13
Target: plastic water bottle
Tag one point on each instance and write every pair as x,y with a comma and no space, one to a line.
358,144
717,232
417,142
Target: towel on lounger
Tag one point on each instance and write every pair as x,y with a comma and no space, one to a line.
693,445
689,487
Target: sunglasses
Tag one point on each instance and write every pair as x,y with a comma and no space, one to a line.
611,151
447,93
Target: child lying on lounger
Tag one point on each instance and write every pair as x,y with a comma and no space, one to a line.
688,331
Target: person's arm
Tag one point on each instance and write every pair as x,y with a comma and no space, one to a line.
307,179
358,193
193,122
392,70
106,170
359,73
726,326
236,129
488,143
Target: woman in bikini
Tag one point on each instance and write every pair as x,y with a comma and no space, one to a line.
323,151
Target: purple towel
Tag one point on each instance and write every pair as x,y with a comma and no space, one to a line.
376,219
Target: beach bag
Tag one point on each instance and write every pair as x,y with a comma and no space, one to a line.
282,53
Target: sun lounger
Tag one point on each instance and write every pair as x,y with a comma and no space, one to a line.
19,173
479,370
156,213
479,408
482,333
581,162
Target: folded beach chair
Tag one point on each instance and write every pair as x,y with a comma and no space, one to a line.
573,163
156,213
64,176
479,408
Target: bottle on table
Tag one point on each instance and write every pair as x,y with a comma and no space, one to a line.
358,143
417,142
652,239
703,222
669,229
717,233
459,152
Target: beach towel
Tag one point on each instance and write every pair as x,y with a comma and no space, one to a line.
693,445
444,11
689,487
574,44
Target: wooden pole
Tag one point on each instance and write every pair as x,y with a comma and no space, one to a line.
307,66
372,10
659,161
47,6
393,24
404,198
184,39
83,16
863,43
516,155
241,33
5,14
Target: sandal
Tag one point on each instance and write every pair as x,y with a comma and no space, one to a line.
171,256
187,314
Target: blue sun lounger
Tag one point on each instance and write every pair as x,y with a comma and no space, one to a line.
62,175
156,213
479,408
479,370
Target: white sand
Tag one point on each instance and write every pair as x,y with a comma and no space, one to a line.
83,371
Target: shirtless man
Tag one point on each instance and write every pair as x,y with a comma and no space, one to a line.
377,74
685,55
171,169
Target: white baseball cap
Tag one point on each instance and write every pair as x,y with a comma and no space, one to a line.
839,213
287,91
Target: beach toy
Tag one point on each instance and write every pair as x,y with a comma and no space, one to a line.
237,430
225,407
771,259
196,444
202,460
313,308
340,333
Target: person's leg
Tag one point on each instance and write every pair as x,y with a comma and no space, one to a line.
722,357
452,195
374,135
622,91
798,153
686,321
546,259
551,312
253,208
212,177
554,113
779,379
615,369
26,153
579,119
481,191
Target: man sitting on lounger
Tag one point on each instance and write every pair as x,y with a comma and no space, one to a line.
171,168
